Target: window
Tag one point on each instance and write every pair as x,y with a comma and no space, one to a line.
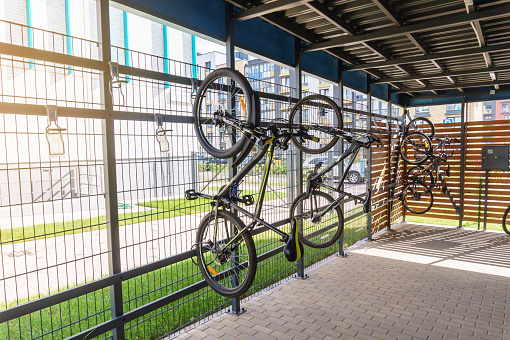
324,92
505,107
422,109
284,70
487,117
507,116
488,109
450,107
208,66
285,81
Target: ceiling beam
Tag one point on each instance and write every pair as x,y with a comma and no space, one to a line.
332,17
261,10
445,74
453,86
415,39
389,11
425,25
435,56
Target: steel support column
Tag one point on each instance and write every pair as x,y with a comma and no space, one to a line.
463,128
368,172
299,154
389,207
341,147
232,170
110,171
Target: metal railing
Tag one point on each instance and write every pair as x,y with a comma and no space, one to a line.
57,278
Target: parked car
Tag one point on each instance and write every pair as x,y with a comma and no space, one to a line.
355,175
208,162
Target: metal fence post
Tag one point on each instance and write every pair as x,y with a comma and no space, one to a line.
368,173
463,127
299,155
341,171
110,171
389,206
232,170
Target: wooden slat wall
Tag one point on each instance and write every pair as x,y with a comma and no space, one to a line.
477,134
383,164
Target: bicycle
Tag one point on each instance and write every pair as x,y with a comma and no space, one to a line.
312,207
227,118
420,181
505,216
225,250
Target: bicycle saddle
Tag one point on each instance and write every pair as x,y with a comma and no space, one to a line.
293,249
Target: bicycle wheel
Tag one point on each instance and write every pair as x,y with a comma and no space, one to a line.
419,196
224,94
229,270
506,221
318,115
324,231
422,125
415,174
415,148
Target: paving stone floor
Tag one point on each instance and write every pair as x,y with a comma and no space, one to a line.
414,282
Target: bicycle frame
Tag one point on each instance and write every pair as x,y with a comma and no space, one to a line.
353,150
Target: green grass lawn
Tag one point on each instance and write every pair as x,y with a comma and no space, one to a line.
162,209
453,223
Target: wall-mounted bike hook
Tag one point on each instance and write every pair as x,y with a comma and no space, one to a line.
54,133
164,145
116,82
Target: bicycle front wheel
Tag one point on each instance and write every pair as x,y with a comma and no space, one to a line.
318,116
315,231
506,220
224,94
415,148
417,198
422,125
228,262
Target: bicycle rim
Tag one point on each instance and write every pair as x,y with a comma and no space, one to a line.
223,94
415,148
320,233
229,272
417,198
422,125
316,114
506,221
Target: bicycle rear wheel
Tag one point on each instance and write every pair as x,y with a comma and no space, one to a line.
415,174
506,220
228,269
224,94
417,198
422,125
318,115
320,233
415,148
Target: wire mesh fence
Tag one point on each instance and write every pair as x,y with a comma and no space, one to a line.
55,224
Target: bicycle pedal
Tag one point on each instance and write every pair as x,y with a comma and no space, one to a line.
248,200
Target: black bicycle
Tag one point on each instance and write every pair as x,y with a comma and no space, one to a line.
505,218
417,195
225,249
318,213
227,118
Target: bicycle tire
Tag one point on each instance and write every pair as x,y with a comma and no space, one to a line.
213,266
423,148
413,124
329,111
504,220
405,202
216,139
307,230
427,173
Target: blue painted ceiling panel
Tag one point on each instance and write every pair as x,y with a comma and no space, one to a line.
399,98
264,39
356,80
381,91
322,64
203,16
